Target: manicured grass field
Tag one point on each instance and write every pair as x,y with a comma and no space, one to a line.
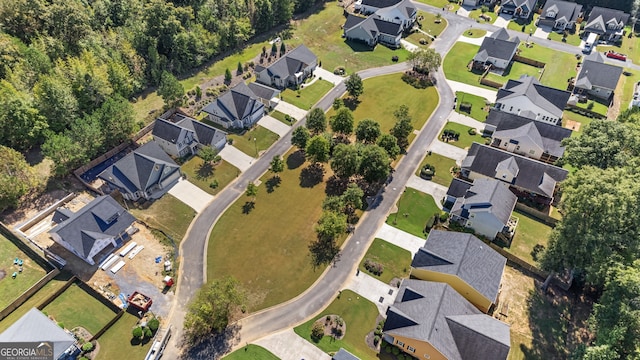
560,65
478,105
475,14
514,72
414,210
280,116
529,233
309,95
203,175
456,61
117,341
474,33
74,307
254,140
395,92
395,260
168,214
441,3
429,24
322,33
572,38
624,91
598,107
530,25
267,249
251,352
10,288
465,140
443,167
570,115
629,47
359,315
415,38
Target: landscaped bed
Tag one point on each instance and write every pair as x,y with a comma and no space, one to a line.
222,173
251,352
443,166
359,316
395,261
253,141
464,139
11,288
307,96
476,14
479,107
415,208
167,214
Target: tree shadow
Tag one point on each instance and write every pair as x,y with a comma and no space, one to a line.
351,103
336,186
248,206
273,183
214,346
204,171
312,175
295,160
323,251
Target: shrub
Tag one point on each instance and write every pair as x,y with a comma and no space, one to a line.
87,347
395,350
444,216
214,184
427,171
337,103
378,332
590,105
153,324
465,107
61,324
472,131
317,332
147,332
373,267
387,349
339,70
430,223
137,332
376,340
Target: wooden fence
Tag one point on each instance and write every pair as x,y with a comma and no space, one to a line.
53,296
108,325
516,261
493,84
537,214
28,293
525,60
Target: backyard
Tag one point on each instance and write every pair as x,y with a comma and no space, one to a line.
596,106
395,260
167,214
359,315
117,341
251,352
514,71
203,175
575,121
529,233
479,108
263,256
624,91
10,288
560,66
307,96
91,315
253,141
465,139
414,208
443,166
455,64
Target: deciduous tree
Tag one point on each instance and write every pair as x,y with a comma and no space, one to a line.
368,131
403,127
316,121
375,163
171,90
277,165
317,149
345,161
354,85
342,122
300,137
16,177
390,144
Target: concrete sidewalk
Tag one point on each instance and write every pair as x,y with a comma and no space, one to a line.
274,125
409,46
400,238
474,41
191,195
291,110
328,75
374,290
236,157
456,117
437,191
475,90
450,151
287,345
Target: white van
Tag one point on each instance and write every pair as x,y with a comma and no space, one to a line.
590,42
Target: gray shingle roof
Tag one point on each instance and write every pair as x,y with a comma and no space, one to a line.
490,194
34,326
424,310
533,175
343,354
102,218
204,134
458,188
565,10
166,130
406,7
599,17
553,100
380,3
519,3
372,25
498,46
236,104
595,73
292,62
464,256
137,170
263,91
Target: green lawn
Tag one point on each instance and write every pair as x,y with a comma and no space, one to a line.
465,140
167,214
560,66
10,288
478,105
475,14
514,71
202,176
395,92
571,116
598,107
91,314
529,26
308,96
251,352
624,91
529,233
280,116
395,260
456,61
430,24
359,315
267,249
443,167
453,6
572,38
145,105
253,141
415,38
414,210
629,47
321,32
474,33
117,341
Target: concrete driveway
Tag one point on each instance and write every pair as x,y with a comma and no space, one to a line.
437,191
287,345
236,157
542,32
466,120
409,46
450,151
328,76
274,125
475,90
502,20
400,238
474,41
374,290
191,195
291,110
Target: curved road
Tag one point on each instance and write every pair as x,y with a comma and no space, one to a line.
321,293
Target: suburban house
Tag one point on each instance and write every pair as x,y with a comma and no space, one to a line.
269,96
518,8
99,224
36,327
607,23
560,15
430,320
290,70
182,135
485,206
528,98
370,6
237,108
496,50
147,172
385,26
464,262
597,78
529,179
526,137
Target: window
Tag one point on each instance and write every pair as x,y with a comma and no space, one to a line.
409,348
400,343
532,152
517,147
426,356
511,108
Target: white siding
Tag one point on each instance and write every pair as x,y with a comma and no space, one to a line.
484,223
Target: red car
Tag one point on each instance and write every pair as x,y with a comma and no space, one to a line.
617,56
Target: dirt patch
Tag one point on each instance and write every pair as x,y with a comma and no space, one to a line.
3,274
573,125
334,326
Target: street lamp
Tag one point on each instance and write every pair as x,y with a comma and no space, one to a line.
256,145
395,219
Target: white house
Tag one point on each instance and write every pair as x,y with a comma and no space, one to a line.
385,26
237,108
607,23
496,50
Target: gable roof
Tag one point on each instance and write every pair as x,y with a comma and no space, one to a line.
436,313
599,17
405,7
594,72
204,134
236,104
519,4
34,326
548,98
372,25
263,91
458,187
490,194
292,62
343,354
511,125
102,218
380,3
499,46
166,130
464,256
136,171
565,11
533,175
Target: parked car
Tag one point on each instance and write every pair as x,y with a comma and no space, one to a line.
615,55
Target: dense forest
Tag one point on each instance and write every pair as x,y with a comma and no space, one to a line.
69,67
